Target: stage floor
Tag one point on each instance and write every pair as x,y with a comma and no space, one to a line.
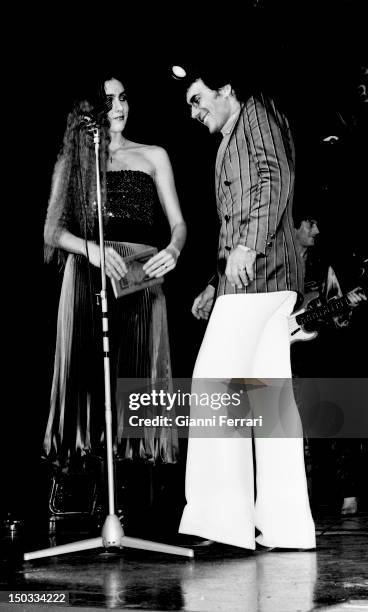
219,578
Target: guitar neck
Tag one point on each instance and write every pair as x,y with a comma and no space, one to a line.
330,309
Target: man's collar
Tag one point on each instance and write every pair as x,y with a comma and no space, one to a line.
230,122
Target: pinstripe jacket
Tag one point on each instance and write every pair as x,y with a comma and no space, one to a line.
254,193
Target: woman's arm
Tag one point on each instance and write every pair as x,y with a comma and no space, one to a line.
56,234
166,259
69,242
114,264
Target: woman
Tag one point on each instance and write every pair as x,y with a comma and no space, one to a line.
137,188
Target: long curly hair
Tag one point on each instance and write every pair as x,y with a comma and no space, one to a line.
73,198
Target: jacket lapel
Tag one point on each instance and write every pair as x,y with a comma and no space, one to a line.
224,145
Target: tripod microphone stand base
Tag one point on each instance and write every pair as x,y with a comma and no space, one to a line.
112,536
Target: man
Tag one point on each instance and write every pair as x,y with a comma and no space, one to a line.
259,275
320,275
331,354
307,231
306,234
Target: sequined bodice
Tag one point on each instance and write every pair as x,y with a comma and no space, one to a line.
132,212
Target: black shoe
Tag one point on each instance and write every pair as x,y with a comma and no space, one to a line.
191,541
261,548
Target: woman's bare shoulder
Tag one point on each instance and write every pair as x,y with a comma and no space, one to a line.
156,154
147,148
153,155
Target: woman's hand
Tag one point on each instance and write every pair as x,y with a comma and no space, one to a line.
114,263
162,262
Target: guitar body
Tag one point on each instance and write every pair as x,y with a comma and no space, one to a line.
307,315
296,331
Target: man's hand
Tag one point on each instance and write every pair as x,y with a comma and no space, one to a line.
356,296
203,303
240,267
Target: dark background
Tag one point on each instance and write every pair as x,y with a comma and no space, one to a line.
306,54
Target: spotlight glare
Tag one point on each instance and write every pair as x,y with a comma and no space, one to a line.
331,139
178,72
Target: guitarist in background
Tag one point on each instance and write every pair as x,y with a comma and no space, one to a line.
333,353
320,276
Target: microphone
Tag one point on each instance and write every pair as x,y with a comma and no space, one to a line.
88,121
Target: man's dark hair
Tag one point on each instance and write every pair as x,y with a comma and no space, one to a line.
218,72
305,215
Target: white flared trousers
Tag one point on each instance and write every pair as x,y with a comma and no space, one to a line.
247,337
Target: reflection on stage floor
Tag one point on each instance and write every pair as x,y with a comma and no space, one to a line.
219,578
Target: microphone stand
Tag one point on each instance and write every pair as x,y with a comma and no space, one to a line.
112,531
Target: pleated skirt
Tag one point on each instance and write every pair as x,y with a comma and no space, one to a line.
139,349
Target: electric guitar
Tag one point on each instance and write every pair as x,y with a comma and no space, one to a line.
308,316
